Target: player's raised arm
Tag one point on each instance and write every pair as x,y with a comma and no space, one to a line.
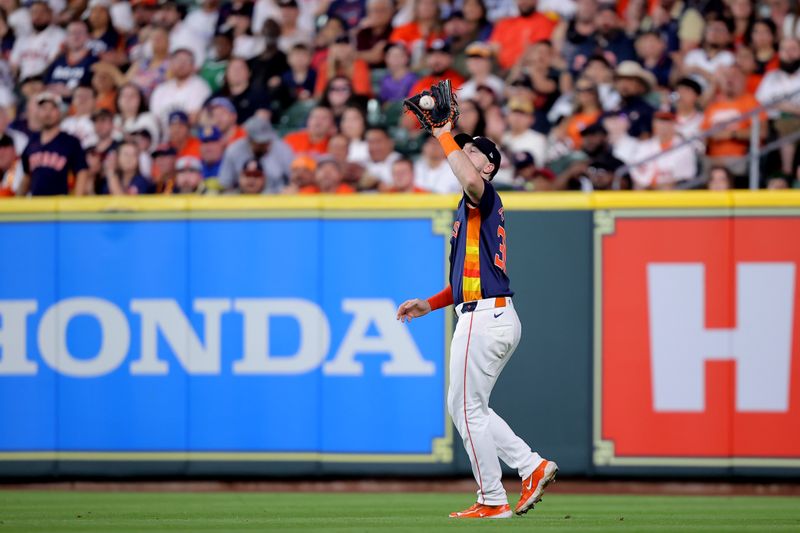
468,176
437,111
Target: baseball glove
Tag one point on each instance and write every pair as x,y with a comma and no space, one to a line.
443,110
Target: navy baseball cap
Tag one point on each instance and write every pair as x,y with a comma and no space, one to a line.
439,45
221,101
178,116
209,134
523,160
486,146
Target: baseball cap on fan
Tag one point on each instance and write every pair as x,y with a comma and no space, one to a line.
486,146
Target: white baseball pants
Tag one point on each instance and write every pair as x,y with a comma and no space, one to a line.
482,344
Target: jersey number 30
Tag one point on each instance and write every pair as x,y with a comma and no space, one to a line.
500,257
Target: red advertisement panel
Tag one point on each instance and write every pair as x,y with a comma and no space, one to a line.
699,348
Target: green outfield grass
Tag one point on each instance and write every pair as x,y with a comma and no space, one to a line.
115,512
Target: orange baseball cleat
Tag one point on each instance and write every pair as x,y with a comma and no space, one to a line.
533,486
479,510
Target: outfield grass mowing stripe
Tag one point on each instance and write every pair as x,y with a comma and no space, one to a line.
55,511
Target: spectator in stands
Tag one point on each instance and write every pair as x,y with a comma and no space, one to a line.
402,178
27,117
703,63
472,120
328,179
164,163
349,11
432,172
80,122
95,182
743,16
179,135
599,71
244,93
354,127
73,67
780,84
338,96
271,62
264,144
330,31
587,111
746,61
373,32
7,35
396,85
189,176
299,81
52,155
520,137
537,65
132,110
104,38
633,82
479,67
342,61
185,91
457,35
32,53
673,169
512,35
609,38
572,35
314,139
762,38
247,43
212,147
381,155
778,182
720,178
11,171
301,175
251,179
213,70
596,152
106,79
438,62
103,122
224,118
422,31
729,146
678,24
152,69
478,27
122,174
688,117
651,52
291,32
524,171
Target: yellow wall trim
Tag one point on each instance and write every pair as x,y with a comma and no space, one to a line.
401,202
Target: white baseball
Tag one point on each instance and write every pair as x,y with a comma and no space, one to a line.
427,102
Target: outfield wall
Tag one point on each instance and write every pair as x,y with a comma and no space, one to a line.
256,336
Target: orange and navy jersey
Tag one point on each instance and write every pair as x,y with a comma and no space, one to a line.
478,250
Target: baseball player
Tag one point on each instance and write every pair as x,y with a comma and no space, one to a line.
488,328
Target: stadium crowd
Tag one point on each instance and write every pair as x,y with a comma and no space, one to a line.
305,96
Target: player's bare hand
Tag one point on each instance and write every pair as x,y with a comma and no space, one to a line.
413,309
444,129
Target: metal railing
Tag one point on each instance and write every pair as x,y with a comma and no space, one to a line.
755,152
